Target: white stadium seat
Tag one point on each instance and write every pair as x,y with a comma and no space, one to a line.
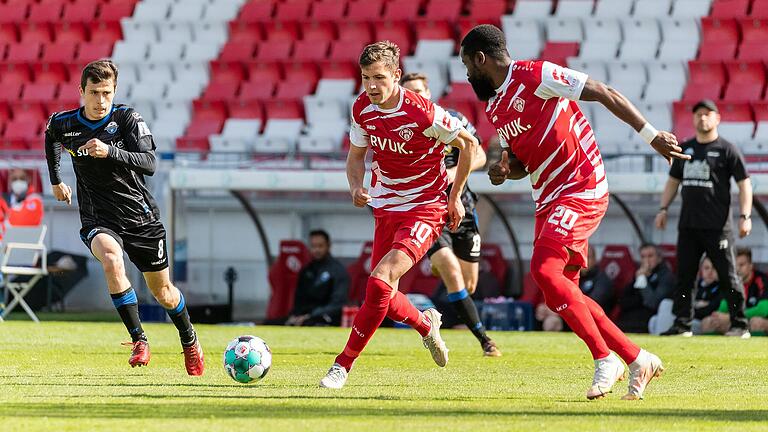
138,31
638,50
524,37
613,8
247,129
173,112
334,130
127,75
564,30
211,33
456,71
176,32
336,89
308,144
436,72
679,29
641,31
222,144
595,69
691,8
652,8
318,109
599,49
221,11
191,72
602,29
666,81
204,52
181,90
186,12
129,52
626,71
280,136
678,49
574,8
155,72
532,8
761,133
435,50
166,52
148,91
151,11
737,132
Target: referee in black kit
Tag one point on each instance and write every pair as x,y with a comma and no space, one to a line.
705,217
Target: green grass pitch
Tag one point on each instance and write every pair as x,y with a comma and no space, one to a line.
74,376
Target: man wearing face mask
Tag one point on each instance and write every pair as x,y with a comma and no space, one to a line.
20,206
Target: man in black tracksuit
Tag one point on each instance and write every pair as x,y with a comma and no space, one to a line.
705,217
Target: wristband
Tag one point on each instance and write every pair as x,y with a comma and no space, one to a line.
648,133
663,209
745,216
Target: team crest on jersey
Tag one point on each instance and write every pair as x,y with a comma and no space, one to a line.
406,134
518,104
111,128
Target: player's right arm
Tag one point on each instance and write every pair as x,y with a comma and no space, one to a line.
356,164
61,191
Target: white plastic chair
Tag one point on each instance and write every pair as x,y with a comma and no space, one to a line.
23,254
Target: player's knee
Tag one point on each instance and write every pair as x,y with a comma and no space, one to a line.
113,264
471,286
165,295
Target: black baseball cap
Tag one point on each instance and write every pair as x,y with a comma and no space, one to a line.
705,103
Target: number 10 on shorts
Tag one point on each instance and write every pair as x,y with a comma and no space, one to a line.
420,232
563,217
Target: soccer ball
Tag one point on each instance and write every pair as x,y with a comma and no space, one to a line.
247,359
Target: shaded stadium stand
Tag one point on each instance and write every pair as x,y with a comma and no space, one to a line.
283,276
419,279
359,271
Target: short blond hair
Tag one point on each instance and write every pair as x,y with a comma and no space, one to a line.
98,71
382,51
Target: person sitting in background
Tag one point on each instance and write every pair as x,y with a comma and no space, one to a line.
654,282
322,287
756,307
708,296
593,282
20,206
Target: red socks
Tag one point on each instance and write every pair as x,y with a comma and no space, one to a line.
401,310
565,297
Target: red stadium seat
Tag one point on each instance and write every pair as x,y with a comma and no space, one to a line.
735,112
81,12
301,71
753,51
221,91
284,275
348,50
15,73
226,71
492,259
59,52
238,51
717,51
22,129
399,33
45,13
256,90
310,50
281,31
558,52
106,32
23,53
759,9
274,109
754,30
466,107
443,10
354,31
246,109
462,92
467,24
746,81
485,129
293,90
202,128
185,144
38,92
705,80
11,145
35,33
366,10
89,51
50,73
209,110
328,10
318,31
294,10
10,92
487,9
427,29
29,111
618,265
340,70
70,32
256,11
719,30
244,32
5,113
274,50
682,119
729,8
401,10
359,272
419,279
264,72
115,10
761,111
67,98
669,253
13,13
8,33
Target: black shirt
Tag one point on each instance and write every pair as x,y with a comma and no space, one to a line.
598,286
708,299
111,192
322,288
706,183
468,198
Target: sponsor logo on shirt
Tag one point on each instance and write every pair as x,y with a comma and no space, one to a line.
388,144
512,129
72,134
370,127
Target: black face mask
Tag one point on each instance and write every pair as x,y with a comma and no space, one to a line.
483,87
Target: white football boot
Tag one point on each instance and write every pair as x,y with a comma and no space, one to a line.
335,378
433,341
608,370
646,367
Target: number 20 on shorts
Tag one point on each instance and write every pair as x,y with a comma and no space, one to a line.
563,217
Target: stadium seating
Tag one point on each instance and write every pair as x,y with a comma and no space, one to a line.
283,276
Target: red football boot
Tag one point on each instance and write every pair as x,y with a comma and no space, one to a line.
194,360
139,353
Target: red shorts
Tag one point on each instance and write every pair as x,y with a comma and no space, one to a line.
570,222
411,232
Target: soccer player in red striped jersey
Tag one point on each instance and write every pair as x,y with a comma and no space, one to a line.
532,105
407,134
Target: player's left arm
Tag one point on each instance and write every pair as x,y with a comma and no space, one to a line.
467,145
139,153
663,142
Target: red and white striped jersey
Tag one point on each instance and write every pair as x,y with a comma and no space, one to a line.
536,116
408,172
